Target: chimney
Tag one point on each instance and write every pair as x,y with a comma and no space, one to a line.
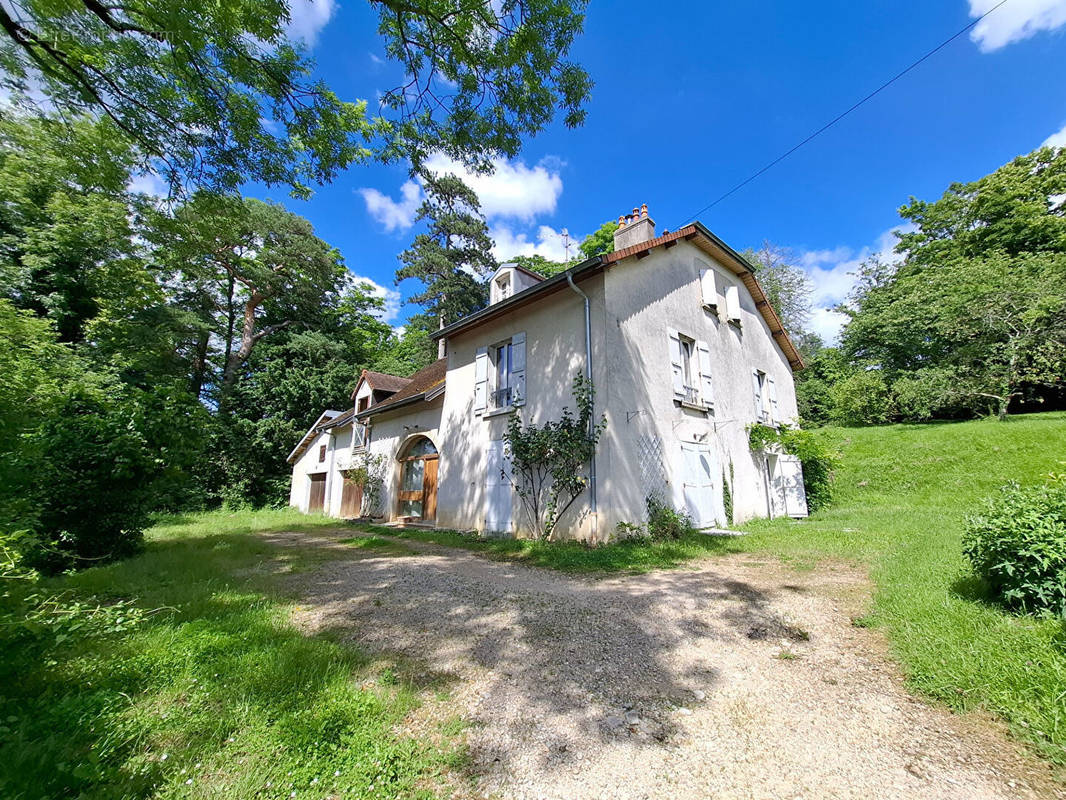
634,228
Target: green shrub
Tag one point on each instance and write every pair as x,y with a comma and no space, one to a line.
861,399
925,394
666,522
1017,544
818,458
819,464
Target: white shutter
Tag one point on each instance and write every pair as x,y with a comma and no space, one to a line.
708,288
771,391
518,369
756,388
732,303
791,478
676,367
706,384
481,379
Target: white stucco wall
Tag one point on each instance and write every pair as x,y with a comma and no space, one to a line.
645,298
306,465
555,353
632,303
390,432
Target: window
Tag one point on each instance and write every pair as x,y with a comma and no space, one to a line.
708,286
765,392
690,362
689,369
321,453
501,390
732,303
362,404
500,375
503,287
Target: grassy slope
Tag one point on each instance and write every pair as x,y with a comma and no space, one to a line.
904,492
216,695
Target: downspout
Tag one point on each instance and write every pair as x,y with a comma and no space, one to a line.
592,424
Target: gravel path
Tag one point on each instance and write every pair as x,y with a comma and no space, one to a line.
739,678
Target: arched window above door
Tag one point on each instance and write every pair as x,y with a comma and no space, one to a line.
419,447
418,479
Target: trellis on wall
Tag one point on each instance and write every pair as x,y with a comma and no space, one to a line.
652,467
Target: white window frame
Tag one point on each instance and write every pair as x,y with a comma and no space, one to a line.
490,381
690,364
760,384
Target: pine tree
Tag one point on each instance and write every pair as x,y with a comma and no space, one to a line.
453,257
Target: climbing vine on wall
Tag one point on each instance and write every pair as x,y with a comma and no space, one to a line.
549,462
819,459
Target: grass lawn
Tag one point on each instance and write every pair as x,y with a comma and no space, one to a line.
212,694
202,687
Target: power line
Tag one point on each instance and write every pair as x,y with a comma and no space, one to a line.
841,116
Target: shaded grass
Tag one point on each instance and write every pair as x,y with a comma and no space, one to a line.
628,556
216,694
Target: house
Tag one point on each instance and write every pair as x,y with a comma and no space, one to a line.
683,348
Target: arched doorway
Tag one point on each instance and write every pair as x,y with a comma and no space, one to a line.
418,480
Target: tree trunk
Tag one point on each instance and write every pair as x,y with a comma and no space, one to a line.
236,358
231,320
199,364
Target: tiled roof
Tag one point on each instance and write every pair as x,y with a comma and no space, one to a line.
384,381
343,419
417,385
696,233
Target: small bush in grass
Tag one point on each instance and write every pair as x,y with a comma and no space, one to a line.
1017,544
666,522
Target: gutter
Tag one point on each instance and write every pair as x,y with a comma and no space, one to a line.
593,506
516,299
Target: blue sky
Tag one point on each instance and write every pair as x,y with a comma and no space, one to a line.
692,98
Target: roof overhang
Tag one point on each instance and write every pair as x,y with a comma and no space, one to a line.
324,418
696,233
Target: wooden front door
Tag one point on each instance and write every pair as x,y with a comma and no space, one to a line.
429,490
317,499
418,481
351,499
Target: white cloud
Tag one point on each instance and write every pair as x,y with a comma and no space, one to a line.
308,17
1057,139
150,184
832,274
512,189
1014,21
393,214
546,242
390,295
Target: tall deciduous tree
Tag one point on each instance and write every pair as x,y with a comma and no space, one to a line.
263,267
454,255
786,285
217,93
976,307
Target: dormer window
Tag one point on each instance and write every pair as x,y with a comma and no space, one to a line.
503,286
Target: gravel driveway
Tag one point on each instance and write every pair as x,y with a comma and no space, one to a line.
737,678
